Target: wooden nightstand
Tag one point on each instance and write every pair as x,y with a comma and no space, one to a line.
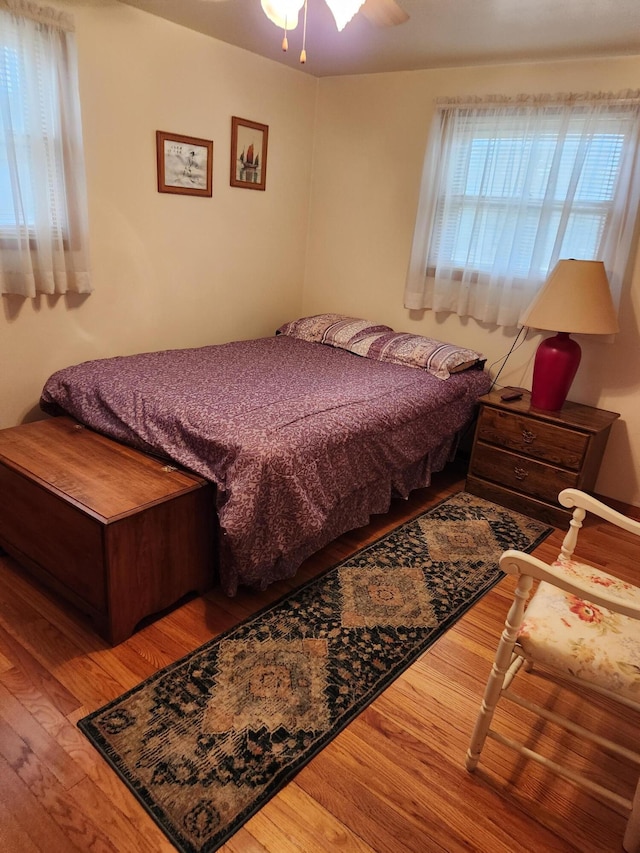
522,457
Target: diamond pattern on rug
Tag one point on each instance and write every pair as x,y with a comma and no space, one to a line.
274,683
449,540
206,741
378,597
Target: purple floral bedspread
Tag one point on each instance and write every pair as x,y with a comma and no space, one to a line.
302,440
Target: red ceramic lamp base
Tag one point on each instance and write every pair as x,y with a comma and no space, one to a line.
554,369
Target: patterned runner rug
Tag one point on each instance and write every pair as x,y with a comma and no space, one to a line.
206,741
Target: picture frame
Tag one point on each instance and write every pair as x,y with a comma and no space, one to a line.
249,143
185,164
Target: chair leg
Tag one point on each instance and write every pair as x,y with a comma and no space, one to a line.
499,669
571,536
631,842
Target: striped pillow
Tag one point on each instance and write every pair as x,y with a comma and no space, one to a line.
439,358
336,330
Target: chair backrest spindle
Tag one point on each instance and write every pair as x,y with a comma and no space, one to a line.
571,537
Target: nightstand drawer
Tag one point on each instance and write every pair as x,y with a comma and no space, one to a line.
521,434
527,476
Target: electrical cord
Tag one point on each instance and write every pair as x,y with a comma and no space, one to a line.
515,345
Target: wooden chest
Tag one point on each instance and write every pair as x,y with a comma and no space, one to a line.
119,534
522,457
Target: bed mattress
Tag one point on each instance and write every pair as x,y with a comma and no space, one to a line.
303,441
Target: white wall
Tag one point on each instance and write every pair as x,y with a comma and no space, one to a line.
173,271
169,270
369,145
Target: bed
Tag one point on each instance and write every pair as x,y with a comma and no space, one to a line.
305,434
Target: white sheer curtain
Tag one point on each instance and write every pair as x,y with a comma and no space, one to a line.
510,186
43,209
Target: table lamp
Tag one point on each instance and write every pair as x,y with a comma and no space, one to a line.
575,299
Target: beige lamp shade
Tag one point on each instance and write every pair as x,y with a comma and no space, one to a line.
575,298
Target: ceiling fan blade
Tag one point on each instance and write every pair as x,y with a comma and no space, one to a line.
384,13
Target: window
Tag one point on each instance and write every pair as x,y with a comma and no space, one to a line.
43,218
509,189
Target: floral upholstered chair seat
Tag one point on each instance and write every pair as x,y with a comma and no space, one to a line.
582,639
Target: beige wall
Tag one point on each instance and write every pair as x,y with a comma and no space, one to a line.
369,144
169,270
173,271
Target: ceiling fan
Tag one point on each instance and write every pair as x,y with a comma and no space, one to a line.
284,14
383,13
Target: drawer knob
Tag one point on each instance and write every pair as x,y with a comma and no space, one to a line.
528,437
520,473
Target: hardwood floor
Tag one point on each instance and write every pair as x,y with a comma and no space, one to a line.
393,781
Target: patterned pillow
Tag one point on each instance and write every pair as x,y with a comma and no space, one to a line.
337,330
439,358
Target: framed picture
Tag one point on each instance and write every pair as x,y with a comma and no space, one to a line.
248,153
185,164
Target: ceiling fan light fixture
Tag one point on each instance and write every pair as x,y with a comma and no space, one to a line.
343,11
282,13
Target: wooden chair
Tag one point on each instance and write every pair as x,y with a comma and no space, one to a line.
581,627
